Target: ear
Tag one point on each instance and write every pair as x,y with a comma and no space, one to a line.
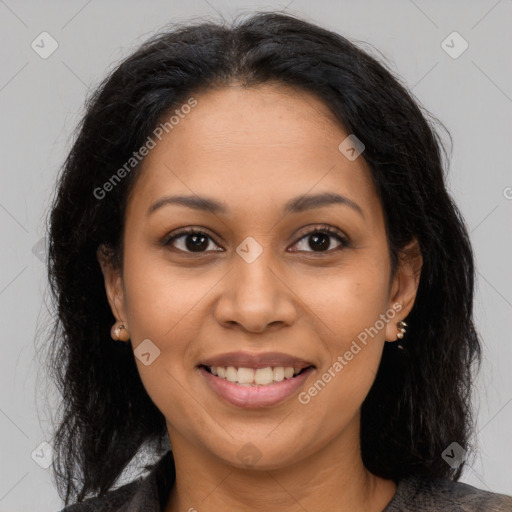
404,285
113,283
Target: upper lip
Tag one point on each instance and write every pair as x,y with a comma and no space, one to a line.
248,360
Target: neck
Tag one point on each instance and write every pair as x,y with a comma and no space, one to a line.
333,478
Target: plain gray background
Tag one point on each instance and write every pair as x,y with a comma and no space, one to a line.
41,101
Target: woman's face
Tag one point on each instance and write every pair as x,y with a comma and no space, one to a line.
256,288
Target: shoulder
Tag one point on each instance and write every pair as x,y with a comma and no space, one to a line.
111,501
146,494
429,495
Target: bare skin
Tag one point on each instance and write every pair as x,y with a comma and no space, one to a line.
254,149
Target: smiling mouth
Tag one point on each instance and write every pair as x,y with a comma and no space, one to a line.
252,377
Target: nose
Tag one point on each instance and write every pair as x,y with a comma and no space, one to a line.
257,296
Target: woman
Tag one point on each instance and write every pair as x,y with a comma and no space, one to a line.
257,216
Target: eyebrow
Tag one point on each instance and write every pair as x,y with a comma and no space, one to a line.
296,205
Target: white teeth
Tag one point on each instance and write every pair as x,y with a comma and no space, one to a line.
288,372
251,377
245,375
278,373
231,374
263,376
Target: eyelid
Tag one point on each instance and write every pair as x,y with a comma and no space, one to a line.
187,231
330,230
307,231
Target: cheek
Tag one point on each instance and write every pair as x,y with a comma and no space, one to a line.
351,305
159,296
353,335
159,306
349,301
162,308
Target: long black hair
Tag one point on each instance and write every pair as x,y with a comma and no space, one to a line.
420,401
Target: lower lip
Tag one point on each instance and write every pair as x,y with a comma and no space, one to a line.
255,396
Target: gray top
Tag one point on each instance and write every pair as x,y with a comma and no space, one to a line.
413,494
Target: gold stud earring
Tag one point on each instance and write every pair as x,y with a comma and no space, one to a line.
119,332
401,331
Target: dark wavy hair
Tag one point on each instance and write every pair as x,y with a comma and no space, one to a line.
420,401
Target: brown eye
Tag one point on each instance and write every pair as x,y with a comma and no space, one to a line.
190,241
320,240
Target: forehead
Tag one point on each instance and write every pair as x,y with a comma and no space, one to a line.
254,148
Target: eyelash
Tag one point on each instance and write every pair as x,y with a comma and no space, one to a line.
345,242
